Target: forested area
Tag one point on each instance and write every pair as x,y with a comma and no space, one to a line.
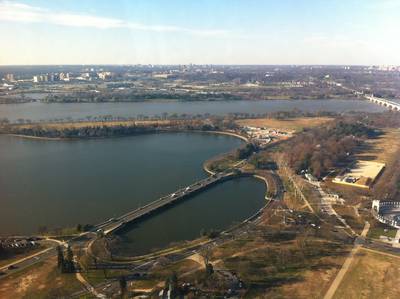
389,119
70,130
137,97
81,132
319,149
388,186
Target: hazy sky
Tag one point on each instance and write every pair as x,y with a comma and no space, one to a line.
200,31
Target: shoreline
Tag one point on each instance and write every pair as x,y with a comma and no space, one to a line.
120,136
161,100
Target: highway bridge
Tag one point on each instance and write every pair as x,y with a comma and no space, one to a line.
114,224
395,106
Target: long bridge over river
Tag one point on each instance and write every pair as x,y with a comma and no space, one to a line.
114,224
391,105
383,102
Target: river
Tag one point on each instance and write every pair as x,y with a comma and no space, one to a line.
41,111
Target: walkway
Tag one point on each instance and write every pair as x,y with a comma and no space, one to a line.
345,267
326,206
88,286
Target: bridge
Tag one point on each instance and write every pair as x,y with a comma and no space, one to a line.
114,224
370,97
383,102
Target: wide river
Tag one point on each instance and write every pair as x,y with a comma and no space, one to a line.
40,111
63,183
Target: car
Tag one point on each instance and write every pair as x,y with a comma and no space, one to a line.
12,267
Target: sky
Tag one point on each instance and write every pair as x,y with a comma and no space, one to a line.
356,32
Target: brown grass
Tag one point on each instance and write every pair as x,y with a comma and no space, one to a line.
371,275
40,281
294,124
381,149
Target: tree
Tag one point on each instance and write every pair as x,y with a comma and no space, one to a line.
123,286
209,270
69,261
172,285
60,259
206,253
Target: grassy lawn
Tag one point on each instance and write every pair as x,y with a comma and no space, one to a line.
42,280
371,275
379,229
286,270
222,163
97,276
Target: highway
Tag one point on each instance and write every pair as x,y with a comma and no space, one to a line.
30,260
115,224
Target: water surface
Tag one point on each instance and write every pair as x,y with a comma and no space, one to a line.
215,209
41,111
63,183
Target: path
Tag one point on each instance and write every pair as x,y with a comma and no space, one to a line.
380,252
88,286
345,267
326,206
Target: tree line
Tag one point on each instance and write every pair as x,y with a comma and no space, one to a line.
319,149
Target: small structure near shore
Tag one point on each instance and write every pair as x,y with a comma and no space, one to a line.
262,136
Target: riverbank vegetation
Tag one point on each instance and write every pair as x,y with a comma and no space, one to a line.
106,129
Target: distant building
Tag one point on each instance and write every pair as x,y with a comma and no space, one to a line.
63,76
41,78
105,75
9,78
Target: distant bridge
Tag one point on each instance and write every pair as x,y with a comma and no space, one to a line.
370,97
114,224
383,102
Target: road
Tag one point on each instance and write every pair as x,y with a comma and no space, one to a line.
113,225
30,260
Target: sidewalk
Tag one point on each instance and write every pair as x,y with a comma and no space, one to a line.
345,267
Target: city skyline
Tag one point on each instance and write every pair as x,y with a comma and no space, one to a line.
205,32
